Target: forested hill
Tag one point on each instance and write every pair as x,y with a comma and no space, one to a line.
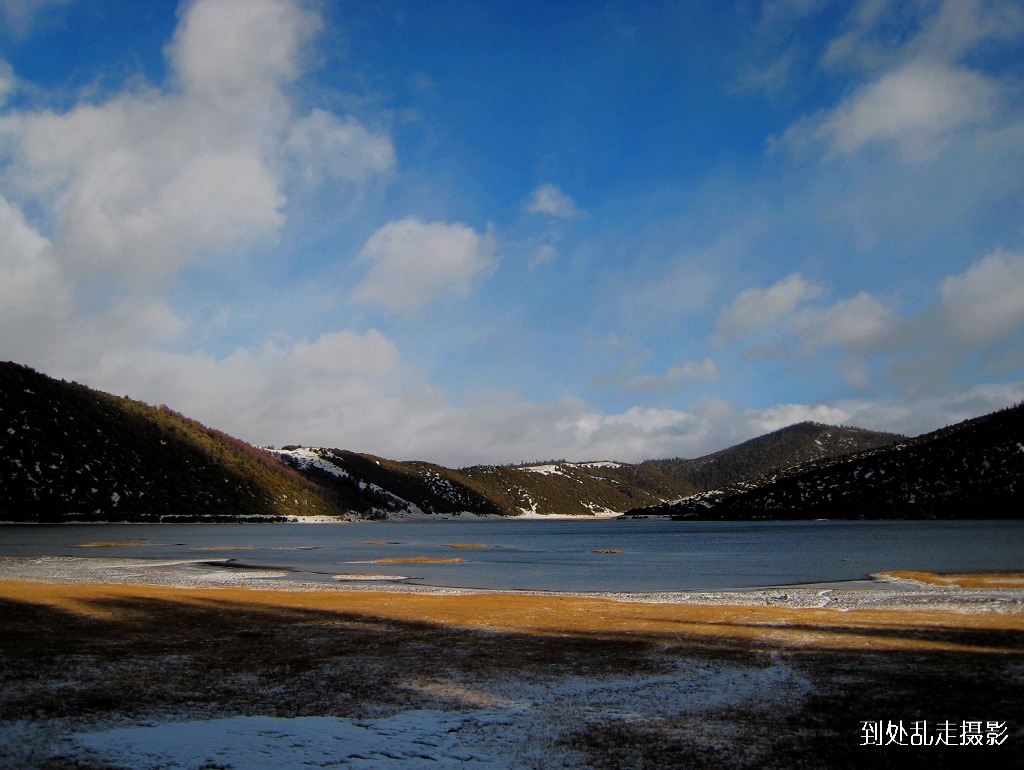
971,470
396,489
794,445
68,452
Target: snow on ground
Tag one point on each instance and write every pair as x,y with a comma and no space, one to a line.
543,470
306,458
411,739
599,513
503,723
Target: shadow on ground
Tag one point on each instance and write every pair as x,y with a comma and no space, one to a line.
137,657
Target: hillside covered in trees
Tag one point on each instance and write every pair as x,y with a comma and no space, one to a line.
71,453
801,443
974,469
68,452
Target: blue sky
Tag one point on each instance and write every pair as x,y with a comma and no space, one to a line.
493,232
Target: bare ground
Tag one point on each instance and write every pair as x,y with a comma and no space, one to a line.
585,682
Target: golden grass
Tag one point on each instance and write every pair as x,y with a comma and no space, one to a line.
418,560
588,618
113,544
469,545
991,580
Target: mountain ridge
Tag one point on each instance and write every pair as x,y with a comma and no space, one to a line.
972,469
786,447
71,453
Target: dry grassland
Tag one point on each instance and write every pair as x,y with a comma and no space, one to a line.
962,581
113,544
476,546
712,625
98,652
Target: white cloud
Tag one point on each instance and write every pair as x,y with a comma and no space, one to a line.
240,50
782,415
937,31
147,181
986,302
19,16
549,199
344,353
703,371
412,262
755,309
853,323
920,91
35,297
917,106
340,148
8,82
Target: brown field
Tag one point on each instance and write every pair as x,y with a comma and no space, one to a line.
113,544
91,652
708,625
469,545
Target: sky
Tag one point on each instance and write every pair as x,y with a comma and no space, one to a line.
489,232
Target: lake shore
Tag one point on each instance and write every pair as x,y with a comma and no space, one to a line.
172,665
885,591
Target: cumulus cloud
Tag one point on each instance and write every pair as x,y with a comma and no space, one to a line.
755,309
702,371
986,302
917,107
342,149
148,181
782,415
854,323
550,200
240,50
332,389
412,262
35,298
919,93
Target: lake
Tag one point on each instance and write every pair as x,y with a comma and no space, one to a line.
560,555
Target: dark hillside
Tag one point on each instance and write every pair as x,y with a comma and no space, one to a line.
581,489
784,448
70,452
972,470
375,487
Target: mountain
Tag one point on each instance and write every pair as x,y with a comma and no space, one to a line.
378,487
71,453
797,444
68,452
974,469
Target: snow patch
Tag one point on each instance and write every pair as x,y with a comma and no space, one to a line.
544,470
411,739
